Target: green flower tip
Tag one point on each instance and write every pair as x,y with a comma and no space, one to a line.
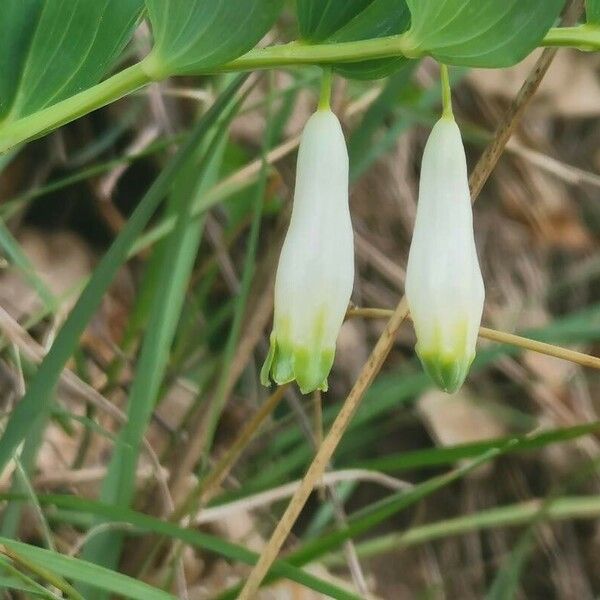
447,371
286,362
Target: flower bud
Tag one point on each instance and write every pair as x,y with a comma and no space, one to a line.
316,267
444,287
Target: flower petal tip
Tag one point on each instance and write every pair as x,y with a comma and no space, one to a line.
279,364
448,373
309,368
265,371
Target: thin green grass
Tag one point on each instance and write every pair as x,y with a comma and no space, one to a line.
86,572
177,260
196,539
36,402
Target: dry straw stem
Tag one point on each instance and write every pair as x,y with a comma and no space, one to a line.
479,176
80,390
585,360
262,499
44,574
207,488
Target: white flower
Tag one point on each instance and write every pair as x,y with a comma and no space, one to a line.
316,267
444,287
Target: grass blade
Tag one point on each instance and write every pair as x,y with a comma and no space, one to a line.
82,571
512,515
223,386
19,259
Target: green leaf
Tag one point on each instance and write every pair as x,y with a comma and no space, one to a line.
52,49
507,580
480,33
13,579
249,268
191,35
380,19
14,583
79,570
319,19
18,19
38,398
328,22
592,9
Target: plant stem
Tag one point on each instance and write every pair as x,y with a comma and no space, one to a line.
585,360
299,53
302,53
47,119
325,97
446,93
583,37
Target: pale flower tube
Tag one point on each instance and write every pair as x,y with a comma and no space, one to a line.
315,274
444,286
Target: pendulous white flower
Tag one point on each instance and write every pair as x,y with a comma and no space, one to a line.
316,267
444,286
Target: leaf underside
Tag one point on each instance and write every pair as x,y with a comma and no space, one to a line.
191,35
481,33
323,22
52,49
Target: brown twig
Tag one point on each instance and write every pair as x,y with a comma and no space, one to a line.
486,163
585,360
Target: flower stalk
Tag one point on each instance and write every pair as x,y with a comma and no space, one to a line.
326,82
446,93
